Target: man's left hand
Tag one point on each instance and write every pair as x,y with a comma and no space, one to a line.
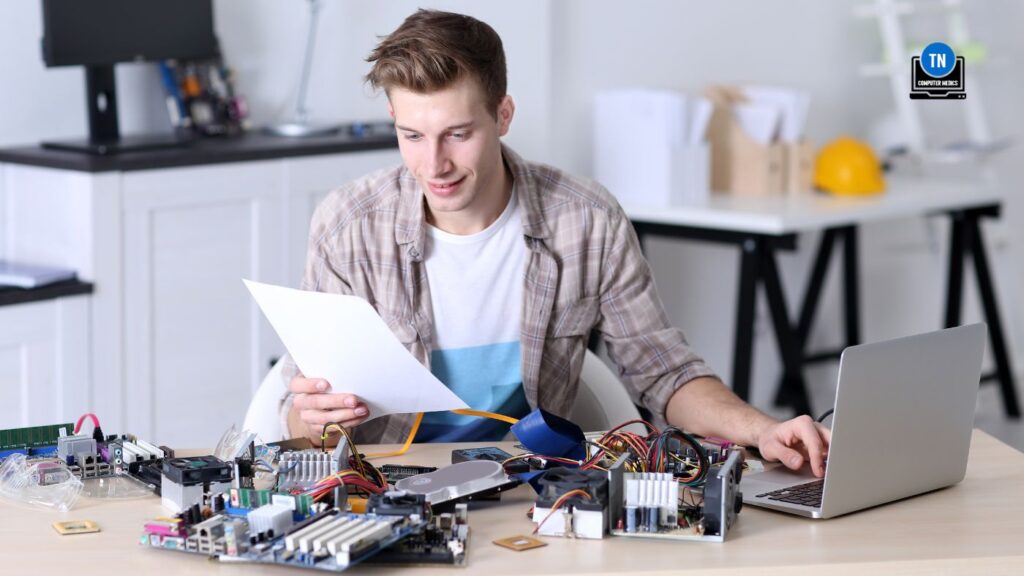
795,441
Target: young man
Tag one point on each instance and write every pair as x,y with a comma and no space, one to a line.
493,271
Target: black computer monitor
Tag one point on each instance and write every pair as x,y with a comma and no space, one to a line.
98,34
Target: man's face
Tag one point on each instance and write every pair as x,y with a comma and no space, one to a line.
450,142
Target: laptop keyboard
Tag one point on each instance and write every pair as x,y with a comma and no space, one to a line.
808,494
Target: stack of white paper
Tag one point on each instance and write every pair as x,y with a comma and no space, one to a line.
649,146
31,275
773,114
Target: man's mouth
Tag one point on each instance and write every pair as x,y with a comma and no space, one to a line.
445,188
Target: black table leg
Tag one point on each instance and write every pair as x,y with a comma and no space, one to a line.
743,347
955,274
986,289
790,347
815,284
812,297
851,283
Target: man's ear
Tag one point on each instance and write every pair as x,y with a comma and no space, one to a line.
506,110
391,110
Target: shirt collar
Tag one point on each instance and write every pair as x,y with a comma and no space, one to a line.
410,226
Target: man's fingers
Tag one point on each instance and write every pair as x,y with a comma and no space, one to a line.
826,433
326,401
790,458
808,434
343,416
300,385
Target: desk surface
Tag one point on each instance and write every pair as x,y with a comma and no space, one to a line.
247,147
975,526
777,215
10,295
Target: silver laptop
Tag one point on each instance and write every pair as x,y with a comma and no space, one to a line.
902,426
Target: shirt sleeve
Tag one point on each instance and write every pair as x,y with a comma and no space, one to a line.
653,357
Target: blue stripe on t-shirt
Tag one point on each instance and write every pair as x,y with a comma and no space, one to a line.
486,378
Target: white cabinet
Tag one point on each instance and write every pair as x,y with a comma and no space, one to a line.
177,346
44,362
192,340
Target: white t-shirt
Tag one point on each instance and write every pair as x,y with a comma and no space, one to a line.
476,290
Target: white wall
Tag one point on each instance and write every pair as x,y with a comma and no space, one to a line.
264,41
559,53
814,46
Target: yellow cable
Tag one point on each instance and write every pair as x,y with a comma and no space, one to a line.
483,414
328,427
419,419
408,441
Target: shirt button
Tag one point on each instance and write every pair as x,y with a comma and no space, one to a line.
414,253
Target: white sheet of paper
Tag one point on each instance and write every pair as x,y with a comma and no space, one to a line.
794,105
759,121
700,114
343,340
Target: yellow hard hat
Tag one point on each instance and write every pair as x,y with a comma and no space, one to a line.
848,167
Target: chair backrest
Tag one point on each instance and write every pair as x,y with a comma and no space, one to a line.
263,416
601,401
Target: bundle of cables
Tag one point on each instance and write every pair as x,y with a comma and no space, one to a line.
657,451
360,474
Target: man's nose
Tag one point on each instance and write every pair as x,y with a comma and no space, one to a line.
439,163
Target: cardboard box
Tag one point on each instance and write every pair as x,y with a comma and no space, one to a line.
799,167
741,165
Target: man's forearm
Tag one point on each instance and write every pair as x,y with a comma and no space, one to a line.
705,406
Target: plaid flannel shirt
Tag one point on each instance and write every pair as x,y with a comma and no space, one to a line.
584,271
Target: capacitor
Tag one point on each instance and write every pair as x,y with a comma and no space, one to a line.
631,514
652,519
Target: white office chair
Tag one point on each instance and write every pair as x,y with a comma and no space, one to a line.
601,401
263,416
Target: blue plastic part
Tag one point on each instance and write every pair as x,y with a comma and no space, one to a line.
40,451
544,433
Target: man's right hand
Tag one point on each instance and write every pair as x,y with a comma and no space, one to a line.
315,405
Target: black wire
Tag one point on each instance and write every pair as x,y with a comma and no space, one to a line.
826,414
702,458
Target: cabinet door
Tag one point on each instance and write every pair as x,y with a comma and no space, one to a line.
308,181
44,362
195,342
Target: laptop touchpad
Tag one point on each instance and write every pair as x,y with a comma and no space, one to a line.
781,476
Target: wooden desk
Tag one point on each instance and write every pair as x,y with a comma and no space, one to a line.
761,227
973,527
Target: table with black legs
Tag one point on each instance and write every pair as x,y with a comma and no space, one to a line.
762,227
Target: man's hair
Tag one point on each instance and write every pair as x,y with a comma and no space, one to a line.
432,50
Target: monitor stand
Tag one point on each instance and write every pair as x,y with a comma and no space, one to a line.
104,134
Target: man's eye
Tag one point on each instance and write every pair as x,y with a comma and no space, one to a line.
459,135
413,137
